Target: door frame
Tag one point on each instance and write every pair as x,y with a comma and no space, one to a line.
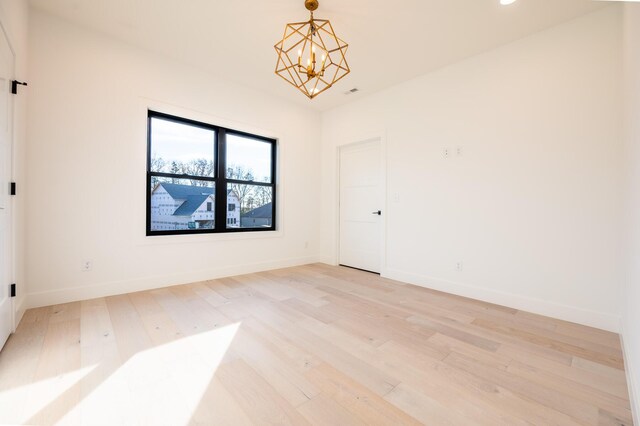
11,200
350,143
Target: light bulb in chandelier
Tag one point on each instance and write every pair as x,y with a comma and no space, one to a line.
313,67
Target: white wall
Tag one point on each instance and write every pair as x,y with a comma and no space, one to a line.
631,291
532,207
14,16
86,177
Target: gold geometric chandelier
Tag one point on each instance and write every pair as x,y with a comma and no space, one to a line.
310,56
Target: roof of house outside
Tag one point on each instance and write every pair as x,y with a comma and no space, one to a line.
262,212
190,205
193,195
181,192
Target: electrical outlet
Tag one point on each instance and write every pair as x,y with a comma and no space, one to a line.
446,152
86,265
458,151
306,244
459,266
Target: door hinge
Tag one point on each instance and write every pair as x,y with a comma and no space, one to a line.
14,86
12,290
12,188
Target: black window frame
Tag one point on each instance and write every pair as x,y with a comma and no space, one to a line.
219,179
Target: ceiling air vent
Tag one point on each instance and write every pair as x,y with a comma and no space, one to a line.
354,90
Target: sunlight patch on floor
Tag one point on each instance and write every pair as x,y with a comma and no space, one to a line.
20,404
168,380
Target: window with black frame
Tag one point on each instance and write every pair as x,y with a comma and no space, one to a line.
206,179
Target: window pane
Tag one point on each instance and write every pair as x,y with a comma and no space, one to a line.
248,159
181,148
182,204
249,206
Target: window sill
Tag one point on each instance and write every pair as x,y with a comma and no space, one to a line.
154,240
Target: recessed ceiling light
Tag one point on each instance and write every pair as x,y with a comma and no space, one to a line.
506,2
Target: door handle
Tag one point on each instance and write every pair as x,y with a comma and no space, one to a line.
379,213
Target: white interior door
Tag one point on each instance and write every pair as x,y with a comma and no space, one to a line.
6,75
361,206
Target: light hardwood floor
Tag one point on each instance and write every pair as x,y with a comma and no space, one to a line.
307,345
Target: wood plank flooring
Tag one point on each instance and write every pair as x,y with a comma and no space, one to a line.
314,344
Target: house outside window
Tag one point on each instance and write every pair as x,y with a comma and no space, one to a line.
203,178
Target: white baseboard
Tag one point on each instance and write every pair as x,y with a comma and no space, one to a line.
74,294
20,308
600,320
329,260
632,379
568,313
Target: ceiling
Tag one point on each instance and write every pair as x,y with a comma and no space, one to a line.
389,41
